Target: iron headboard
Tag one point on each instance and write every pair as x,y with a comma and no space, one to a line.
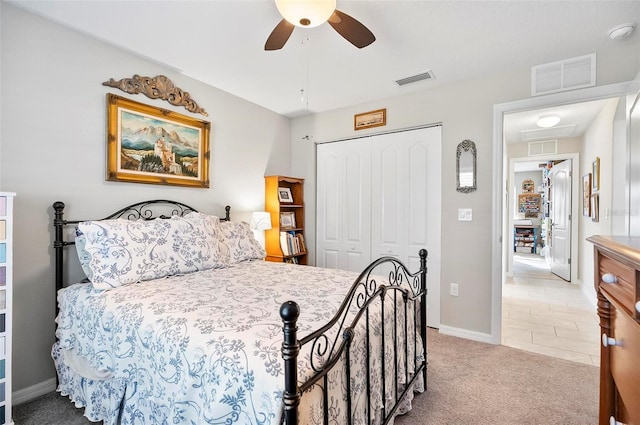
146,210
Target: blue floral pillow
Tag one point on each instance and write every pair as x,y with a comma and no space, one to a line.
124,251
238,243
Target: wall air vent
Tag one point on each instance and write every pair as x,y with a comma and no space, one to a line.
415,78
568,74
544,147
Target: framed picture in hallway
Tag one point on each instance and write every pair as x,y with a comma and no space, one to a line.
146,144
586,195
595,179
595,208
529,204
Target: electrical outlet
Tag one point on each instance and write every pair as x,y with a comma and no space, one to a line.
453,289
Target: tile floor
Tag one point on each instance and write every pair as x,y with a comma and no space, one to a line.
544,314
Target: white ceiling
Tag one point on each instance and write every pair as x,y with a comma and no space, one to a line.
222,43
574,119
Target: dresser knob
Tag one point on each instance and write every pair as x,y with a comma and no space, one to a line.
609,278
638,306
606,341
612,421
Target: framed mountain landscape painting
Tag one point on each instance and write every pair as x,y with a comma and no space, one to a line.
152,145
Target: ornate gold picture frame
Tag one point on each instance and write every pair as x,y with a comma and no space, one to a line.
152,145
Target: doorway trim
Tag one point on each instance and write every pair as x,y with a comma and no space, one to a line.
499,190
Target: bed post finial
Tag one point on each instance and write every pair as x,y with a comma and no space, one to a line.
289,312
58,243
423,258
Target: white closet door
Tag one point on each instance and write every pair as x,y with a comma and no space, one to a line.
406,203
381,196
343,199
406,175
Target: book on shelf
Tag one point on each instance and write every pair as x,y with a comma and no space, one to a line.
284,243
292,243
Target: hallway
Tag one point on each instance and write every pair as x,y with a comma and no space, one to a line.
544,314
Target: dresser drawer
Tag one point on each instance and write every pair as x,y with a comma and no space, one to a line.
619,281
624,359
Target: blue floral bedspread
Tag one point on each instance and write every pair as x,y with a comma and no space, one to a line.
202,348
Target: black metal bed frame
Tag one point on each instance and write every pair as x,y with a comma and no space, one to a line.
145,210
331,343
411,287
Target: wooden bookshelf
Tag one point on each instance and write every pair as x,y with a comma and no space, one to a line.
284,201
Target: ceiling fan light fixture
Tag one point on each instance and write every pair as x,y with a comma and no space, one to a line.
548,120
306,13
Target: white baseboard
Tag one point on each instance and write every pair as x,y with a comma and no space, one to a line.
590,292
466,334
34,391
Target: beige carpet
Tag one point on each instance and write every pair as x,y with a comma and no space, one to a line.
472,383
469,383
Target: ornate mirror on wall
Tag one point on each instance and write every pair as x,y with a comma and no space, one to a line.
466,167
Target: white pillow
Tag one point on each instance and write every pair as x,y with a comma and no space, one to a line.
125,251
83,254
238,242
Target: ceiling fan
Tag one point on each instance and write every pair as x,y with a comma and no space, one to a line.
311,13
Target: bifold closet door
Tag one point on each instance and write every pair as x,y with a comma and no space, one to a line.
343,219
381,196
405,200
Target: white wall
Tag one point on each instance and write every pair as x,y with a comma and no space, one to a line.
466,112
53,140
598,142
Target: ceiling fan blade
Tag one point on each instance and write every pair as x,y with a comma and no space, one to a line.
351,29
279,35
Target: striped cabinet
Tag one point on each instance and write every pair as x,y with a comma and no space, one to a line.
6,296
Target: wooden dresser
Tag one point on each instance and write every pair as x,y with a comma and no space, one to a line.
617,284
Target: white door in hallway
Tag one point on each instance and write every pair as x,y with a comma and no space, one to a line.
560,213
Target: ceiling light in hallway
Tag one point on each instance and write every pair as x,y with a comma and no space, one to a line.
548,120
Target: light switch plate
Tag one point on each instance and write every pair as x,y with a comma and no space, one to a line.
465,214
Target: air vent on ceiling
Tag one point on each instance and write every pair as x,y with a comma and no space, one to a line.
415,78
544,147
568,74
